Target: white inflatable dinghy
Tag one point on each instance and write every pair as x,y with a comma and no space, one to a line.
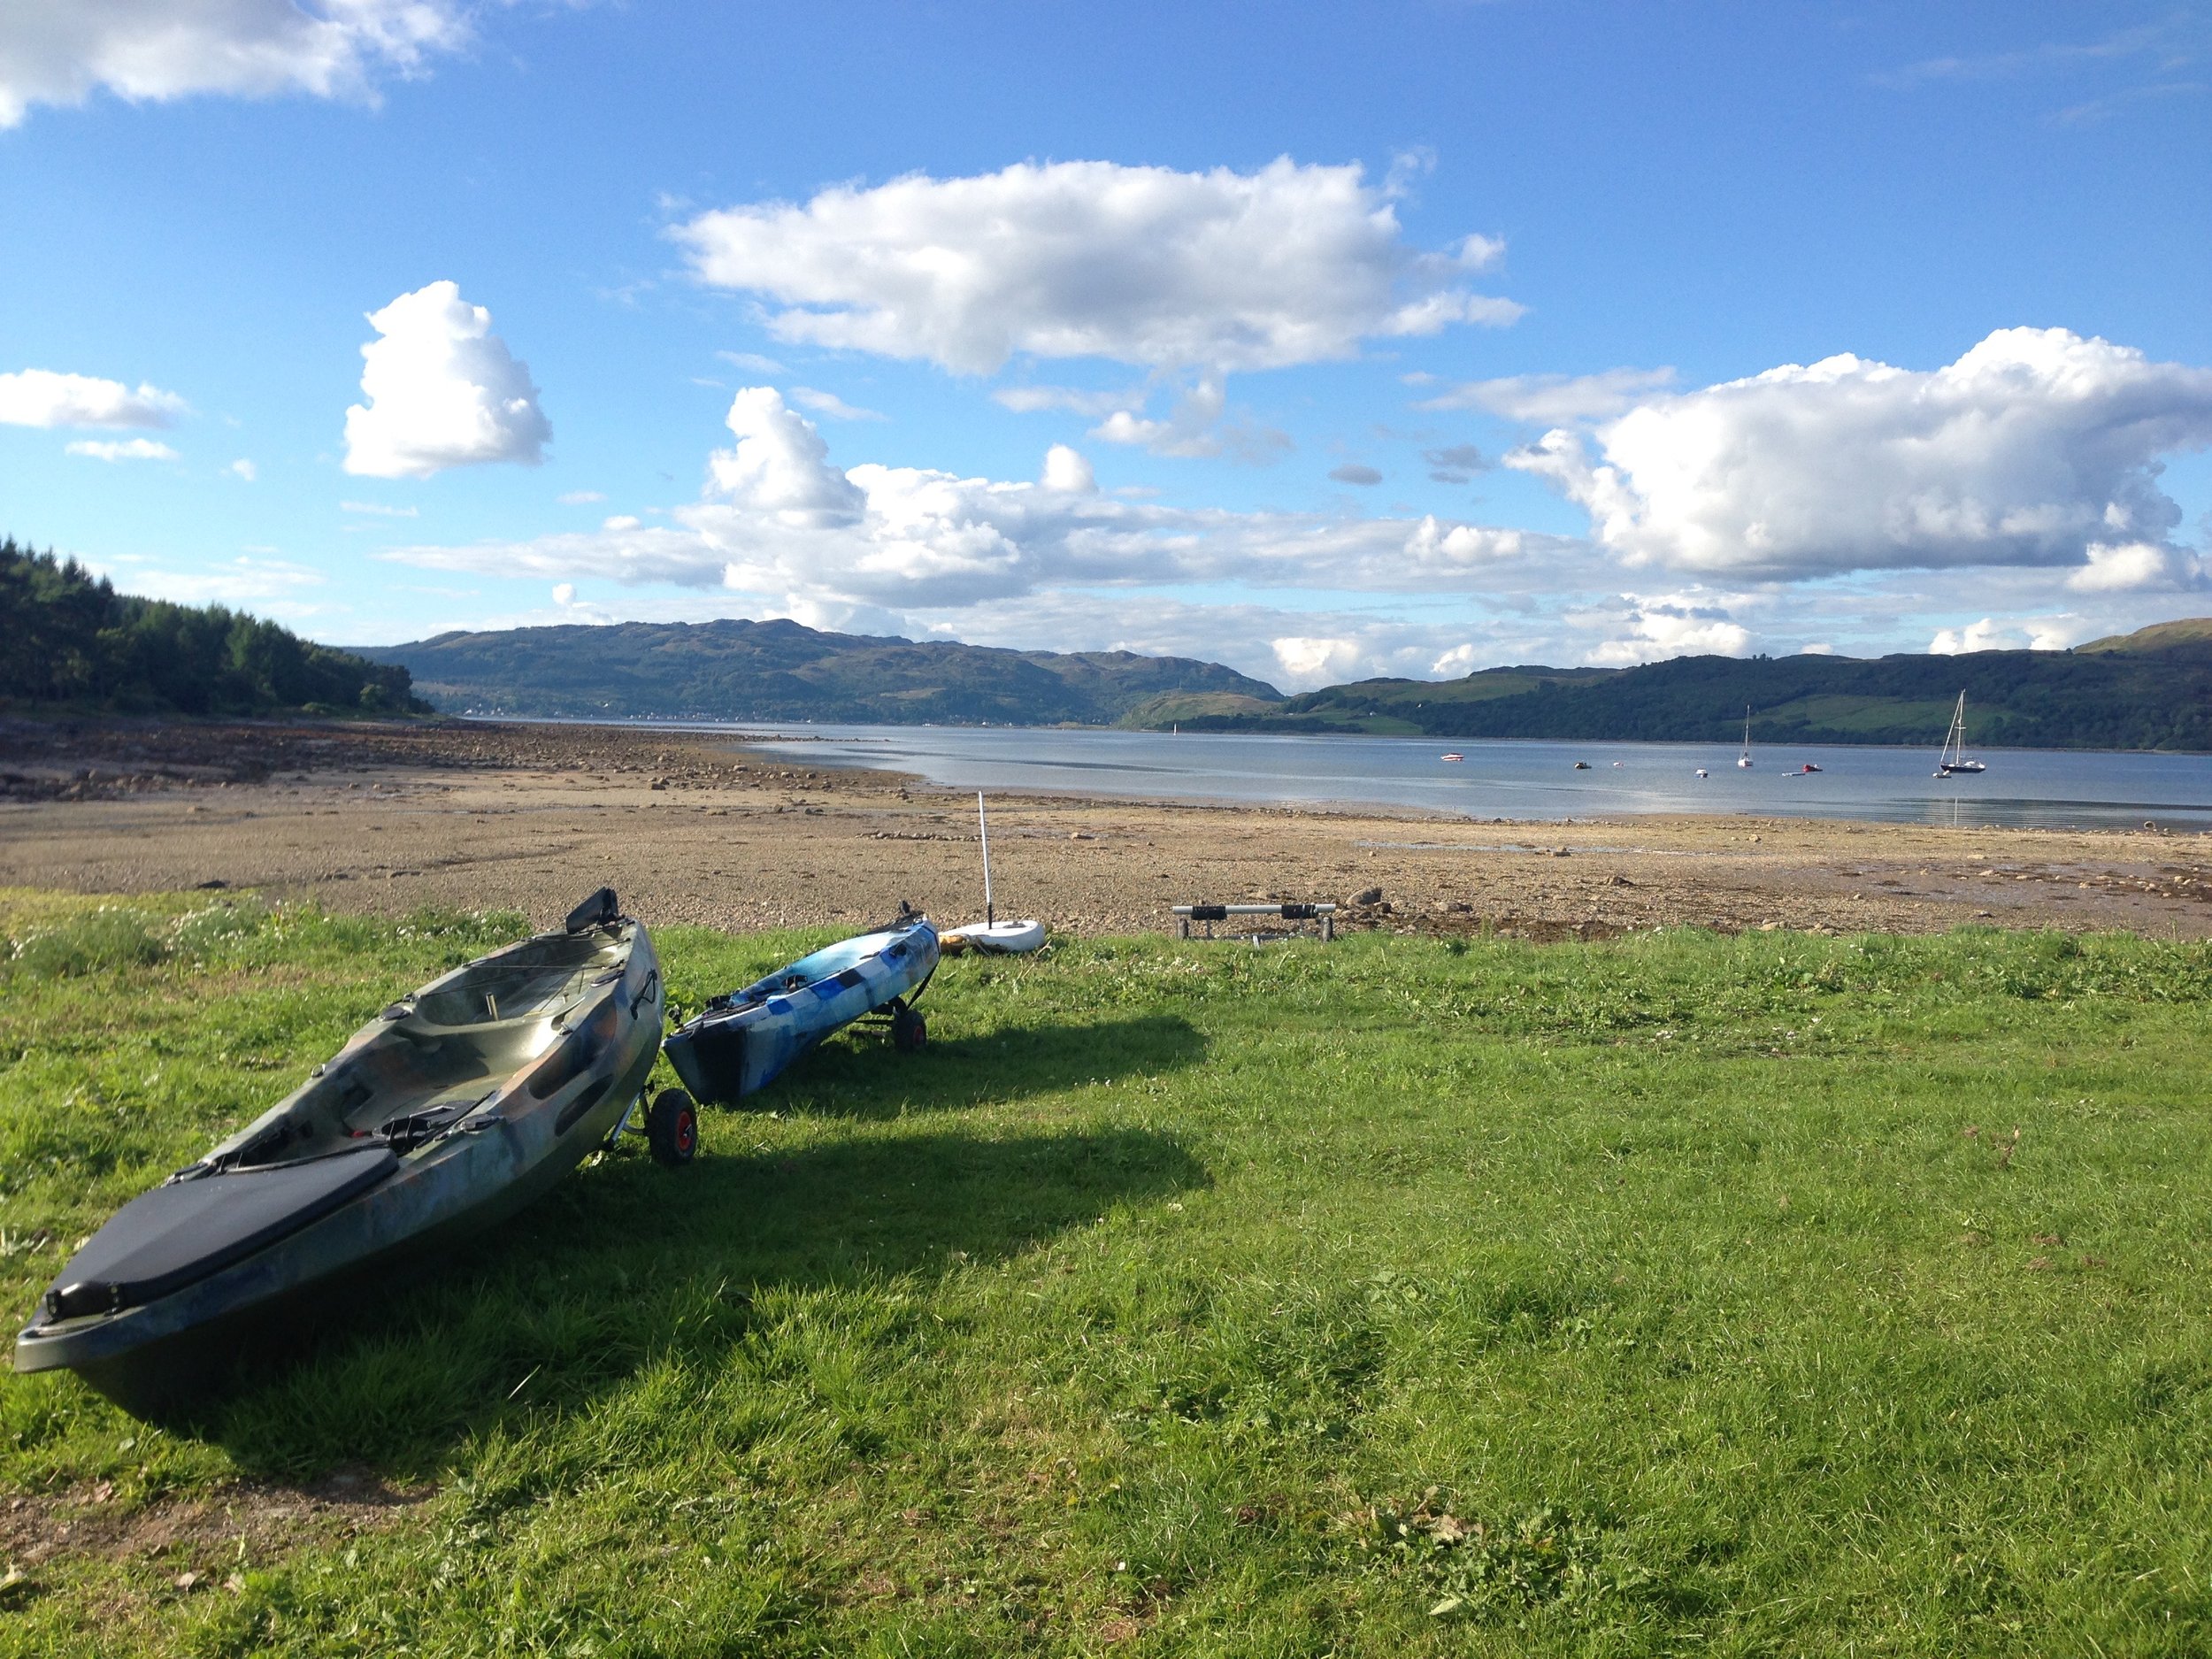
991,936
997,939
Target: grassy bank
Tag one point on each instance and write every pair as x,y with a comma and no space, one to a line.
1674,1293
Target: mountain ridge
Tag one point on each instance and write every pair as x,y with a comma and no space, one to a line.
734,668
2148,690
2151,689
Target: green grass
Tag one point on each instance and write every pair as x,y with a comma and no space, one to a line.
1390,1297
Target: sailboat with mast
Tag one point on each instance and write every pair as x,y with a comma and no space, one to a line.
1954,759
1744,759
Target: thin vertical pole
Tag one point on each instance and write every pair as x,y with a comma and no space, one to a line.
984,823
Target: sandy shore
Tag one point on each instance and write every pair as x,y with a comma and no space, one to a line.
691,829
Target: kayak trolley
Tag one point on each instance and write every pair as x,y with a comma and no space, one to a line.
1323,916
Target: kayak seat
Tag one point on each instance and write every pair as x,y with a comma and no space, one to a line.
187,1230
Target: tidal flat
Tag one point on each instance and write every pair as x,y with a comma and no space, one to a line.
386,818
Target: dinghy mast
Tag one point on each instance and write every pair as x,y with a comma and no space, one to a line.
984,823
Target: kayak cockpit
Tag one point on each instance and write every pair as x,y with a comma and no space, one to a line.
437,1056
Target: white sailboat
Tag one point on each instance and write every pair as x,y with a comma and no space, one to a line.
1954,759
1744,759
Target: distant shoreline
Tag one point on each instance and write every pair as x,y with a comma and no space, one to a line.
1529,782
2149,691
705,725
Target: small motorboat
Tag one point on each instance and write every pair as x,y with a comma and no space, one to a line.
453,1108
1582,765
1702,772
1807,767
743,1042
1454,755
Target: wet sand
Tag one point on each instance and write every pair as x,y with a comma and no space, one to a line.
690,829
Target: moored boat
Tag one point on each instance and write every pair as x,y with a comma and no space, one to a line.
1953,759
453,1108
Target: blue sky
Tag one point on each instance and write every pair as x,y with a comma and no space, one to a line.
1408,339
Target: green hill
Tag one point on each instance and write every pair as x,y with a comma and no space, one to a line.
741,670
2147,690
2157,637
1176,708
74,642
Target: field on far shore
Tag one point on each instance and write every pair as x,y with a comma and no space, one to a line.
1773,1293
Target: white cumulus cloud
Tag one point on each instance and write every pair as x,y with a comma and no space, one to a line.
39,397
1673,624
1219,270
2130,566
777,518
1067,472
1308,660
2031,448
122,450
60,51
1990,635
444,390
779,468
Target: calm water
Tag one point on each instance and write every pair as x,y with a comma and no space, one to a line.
2049,788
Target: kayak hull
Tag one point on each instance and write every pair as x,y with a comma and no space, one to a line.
149,1341
745,1041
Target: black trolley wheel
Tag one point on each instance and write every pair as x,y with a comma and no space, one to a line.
672,1128
908,1030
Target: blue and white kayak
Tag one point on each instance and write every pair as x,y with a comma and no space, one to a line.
744,1042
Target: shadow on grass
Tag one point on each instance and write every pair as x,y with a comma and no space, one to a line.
628,1265
858,1075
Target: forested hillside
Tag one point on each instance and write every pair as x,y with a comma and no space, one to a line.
2152,690
72,639
740,670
